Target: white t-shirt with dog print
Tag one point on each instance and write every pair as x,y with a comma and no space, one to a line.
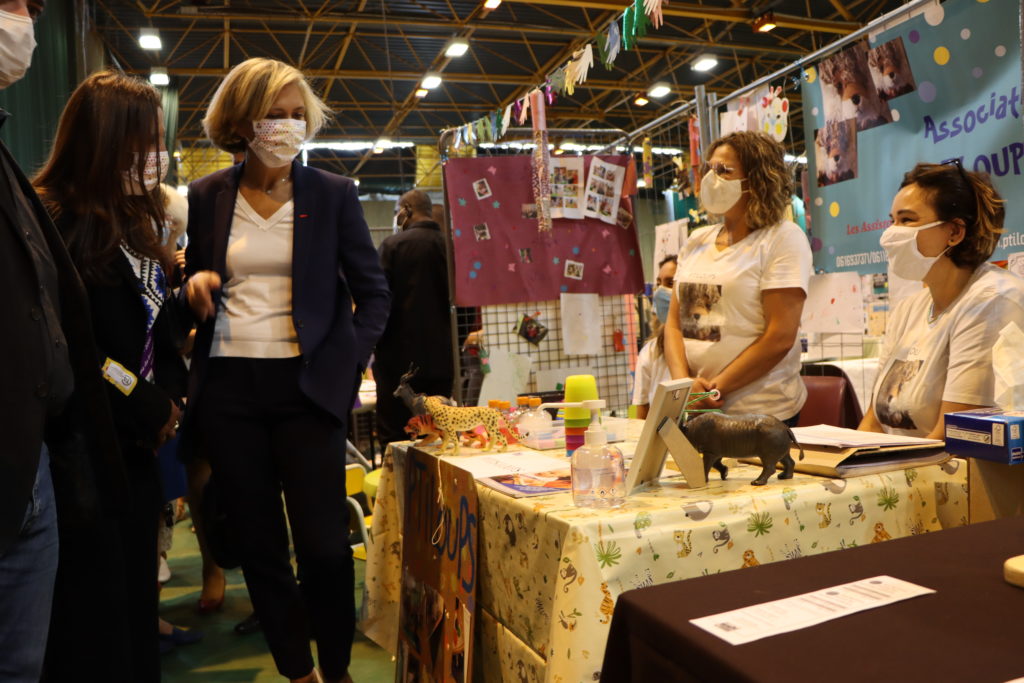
948,359
720,310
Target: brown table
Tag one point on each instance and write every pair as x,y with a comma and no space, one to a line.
970,630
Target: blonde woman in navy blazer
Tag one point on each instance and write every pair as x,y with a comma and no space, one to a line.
278,356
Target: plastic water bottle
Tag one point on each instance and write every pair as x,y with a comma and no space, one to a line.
598,473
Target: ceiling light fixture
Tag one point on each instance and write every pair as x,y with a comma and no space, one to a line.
381,144
641,101
659,90
640,182
765,22
158,76
457,48
421,92
704,62
430,81
149,39
492,4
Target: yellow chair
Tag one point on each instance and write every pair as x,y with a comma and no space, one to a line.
355,477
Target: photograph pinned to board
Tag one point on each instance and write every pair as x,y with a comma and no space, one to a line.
481,188
574,270
530,329
604,187
582,324
567,187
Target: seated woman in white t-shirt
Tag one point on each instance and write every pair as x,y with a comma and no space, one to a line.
651,369
937,351
741,284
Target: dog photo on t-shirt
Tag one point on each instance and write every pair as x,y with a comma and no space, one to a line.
697,304
889,408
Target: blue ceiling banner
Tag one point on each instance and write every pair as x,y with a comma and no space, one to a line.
943,84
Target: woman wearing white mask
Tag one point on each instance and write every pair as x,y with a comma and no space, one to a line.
937,351
286,284
740,285
100,184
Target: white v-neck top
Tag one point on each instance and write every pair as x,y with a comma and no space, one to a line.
254,319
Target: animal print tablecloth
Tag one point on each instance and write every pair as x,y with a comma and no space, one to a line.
550,572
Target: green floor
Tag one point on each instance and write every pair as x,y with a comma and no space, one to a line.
223,656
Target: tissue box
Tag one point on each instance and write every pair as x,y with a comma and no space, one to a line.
986,433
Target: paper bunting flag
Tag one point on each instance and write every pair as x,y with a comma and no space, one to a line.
609,46
549,94
558,80
648,163
457,138
653,10
627,28
505,118
524,110
584,61
494,123
640,21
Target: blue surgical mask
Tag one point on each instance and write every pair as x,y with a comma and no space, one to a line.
662,298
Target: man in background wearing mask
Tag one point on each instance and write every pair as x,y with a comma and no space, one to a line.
419,326
48,353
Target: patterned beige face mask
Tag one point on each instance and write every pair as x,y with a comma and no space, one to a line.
277,141
154,170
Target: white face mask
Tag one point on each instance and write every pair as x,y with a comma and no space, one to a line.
717,194
153,173
17,41
277,141
905,259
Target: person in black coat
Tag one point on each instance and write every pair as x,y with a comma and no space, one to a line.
284,277
419,331
53,411
101,186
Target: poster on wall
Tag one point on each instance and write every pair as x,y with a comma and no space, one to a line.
669,239
604,187
943,84
501,257
438,598
567,187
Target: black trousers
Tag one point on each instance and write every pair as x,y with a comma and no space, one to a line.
105,603
264,437
392,414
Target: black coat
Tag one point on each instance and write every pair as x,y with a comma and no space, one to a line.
419,328
333,266
86,425
119,324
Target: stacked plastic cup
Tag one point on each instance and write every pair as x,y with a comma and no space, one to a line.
577,388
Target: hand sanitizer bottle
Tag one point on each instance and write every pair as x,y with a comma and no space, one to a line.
598,474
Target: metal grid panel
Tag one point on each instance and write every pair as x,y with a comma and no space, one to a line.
613,369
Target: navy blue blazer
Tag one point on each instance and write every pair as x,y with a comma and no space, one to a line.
334,264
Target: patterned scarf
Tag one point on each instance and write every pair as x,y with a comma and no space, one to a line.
152,286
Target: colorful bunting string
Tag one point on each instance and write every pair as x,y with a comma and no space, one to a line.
563,80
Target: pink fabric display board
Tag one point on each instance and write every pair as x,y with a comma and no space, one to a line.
502,258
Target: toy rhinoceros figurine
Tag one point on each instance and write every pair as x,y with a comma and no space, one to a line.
717,436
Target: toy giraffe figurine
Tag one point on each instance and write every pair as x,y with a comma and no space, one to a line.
451,421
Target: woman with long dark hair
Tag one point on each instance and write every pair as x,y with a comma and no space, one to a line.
101,186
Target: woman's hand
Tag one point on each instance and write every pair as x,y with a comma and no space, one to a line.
168,431
703,385
199,289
